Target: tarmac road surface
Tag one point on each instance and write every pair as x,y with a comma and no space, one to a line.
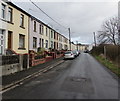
81,78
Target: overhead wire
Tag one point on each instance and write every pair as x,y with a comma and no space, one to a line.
46,14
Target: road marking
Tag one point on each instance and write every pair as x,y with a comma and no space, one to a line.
1,92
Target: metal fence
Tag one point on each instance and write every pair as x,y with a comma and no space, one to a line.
6,60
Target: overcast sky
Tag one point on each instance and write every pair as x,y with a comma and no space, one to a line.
83,18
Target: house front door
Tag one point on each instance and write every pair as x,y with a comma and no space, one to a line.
9,40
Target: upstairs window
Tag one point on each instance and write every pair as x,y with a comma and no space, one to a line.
10,14
46,31
41,29
51,34
3,11
34,26
21,20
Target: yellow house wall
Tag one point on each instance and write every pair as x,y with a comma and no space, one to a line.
16,29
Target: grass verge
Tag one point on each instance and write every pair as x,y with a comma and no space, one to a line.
109,64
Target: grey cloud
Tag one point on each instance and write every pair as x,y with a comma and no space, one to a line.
82,17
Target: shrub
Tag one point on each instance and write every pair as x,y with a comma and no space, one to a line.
112,51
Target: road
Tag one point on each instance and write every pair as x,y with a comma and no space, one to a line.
81,78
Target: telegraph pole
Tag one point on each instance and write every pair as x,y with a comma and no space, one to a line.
69,38
94,39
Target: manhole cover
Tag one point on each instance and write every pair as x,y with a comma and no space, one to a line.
78,84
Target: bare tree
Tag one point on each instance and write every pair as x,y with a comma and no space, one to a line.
109,33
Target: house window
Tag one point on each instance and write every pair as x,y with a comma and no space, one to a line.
51,34
42,43
46,31
52,44
46,43
21,41
21,20
3,11
41,29
34,26
10,14
1,41
34,42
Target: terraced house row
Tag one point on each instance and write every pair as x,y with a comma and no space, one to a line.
21,32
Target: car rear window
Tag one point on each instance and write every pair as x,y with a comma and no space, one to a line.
74,52
67,52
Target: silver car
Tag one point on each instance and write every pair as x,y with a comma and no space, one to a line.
69,55
76,53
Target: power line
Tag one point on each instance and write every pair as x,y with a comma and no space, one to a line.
46,14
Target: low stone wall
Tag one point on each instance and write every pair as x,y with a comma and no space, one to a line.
8,67
59,56
34,62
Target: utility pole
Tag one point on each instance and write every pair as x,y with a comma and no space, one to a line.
94,39
69,38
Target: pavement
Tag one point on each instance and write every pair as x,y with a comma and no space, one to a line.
10,80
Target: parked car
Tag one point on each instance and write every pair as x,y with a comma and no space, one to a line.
86,51
69,55
79,52
76,53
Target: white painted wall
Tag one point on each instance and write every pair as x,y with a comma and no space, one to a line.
3,26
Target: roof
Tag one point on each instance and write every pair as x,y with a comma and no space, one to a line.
18,8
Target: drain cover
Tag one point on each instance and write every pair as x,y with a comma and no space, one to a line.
78,84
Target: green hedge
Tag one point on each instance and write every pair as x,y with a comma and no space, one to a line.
112,51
